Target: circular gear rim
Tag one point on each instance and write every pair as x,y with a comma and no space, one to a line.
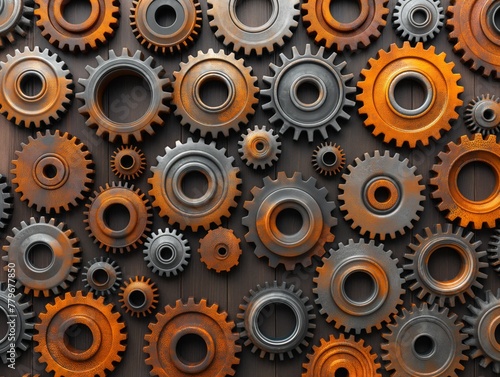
215,240
6,203
173,240
475,115
135,170
323,167
145,286
17,21
250,152
114,276
412,30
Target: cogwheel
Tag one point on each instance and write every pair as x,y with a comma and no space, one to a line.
476,213
14,18
208,67
167,252
122,66
291,77
329,32
28,109
220,250
400,191
102,276
242,37
418,20
262,298
128,162
259,147
77,309
6,204
210,204
483,115
328,159
425,342
139,296
494,251
53,171
187,319
51,236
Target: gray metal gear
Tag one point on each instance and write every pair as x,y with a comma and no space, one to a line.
328,159
259,147
102,276
494,250
382,195
14,19
483,114
418,20
304,70
6,202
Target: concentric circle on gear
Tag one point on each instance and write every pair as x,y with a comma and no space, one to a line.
328,159
167,252
128,162
260,147
102,276
14,19
6,203
418,20
482,115
139,296
220,249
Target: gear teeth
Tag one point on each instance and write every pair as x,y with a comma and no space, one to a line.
259,148
173,240
141,285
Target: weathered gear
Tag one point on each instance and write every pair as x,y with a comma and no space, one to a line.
214,67
263,297
44,107
494,251
61,270
328,159
6,202
418,20
283,194
186,319
253,39
220,250
381,174
182,160
329,32
128,162
53,171
89,34
77,309
381,107
102,276
139,296
167,252
468,212
331,286
166,39
140,217
259,148
14,19
445,292
97,82
483,115
308,69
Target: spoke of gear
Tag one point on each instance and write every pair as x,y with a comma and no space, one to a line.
167,252
220,250
139,296
328,159
260,147
483,115
102,276
418,20
494,250
6,204
128,162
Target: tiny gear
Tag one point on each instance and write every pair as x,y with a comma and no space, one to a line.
6,204
139,296
167,252
418,20
102,276
14,19
494,251
483,115
220,250
328,159
53,171
289,80
260,147
128,162
400,191
196,74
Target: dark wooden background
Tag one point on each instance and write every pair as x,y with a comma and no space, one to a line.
227,289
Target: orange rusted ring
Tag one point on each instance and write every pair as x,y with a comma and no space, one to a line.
388,185
139,296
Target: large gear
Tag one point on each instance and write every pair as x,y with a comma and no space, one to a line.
494,250
328,159
128,162
77,309
305,199
418,20
195,158
167,252
382,195
289,80
187,319
476,213
200,71
417,65
220,249
483,115
259,147
139,296
6,202
14,19
102,276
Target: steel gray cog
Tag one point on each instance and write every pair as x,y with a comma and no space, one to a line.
14,16
259,147
418,20
494,250
167,252
308,69
102,276
328,159
6,204
483,114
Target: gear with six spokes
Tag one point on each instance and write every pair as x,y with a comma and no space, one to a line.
483,115
260,147
418,20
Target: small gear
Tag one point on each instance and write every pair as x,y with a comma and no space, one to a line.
259,147
382,195
167,252
128,162
476,213
77,309
328,159
14,19
483,115
418,20
6,202
220,250
494,251
253,39
139,296
196,74
254,305
292,76
35,237
102,276
53,171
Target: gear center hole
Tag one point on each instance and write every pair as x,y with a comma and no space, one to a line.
420,16
445,264
31,84
345,11
289,221
100,277
116,217
308,92
260,146
359,287
410,93
78,338
166,253
191,349
497,334
194,184
214,92
277,321
489,115
40,256
222,251
382,194
254,13
496,19
76,11
127,162
137,299
165,16
477,171
3,324
424,346
342,372
49,171
329,158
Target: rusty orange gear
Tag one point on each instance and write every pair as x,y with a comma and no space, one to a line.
387,116
31,375
186,319
220,249
77,309
128,162
139,296
474,213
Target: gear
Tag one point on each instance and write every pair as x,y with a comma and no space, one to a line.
329,32
418,65
53,171
301,197
139,296
425,342
264,297
418,20
128,162
494,250
35,237
382,195
101,206
89,34
14,18
102,276
6,204
477,213
220,250
259,147
79,310
483,115
37,109
242,37
122,66
289,80
328,159
188,319
195,158
167,252
166,39
197,74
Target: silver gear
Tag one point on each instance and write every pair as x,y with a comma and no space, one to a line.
483,115
259,147
110,280
6,202
408,24
328,159
14,18
494,250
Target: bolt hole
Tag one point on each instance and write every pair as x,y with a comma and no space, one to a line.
445,264
222,251
276,321
100,277
76,11
137,299
166,253
49,171
213,92
78,338
382,194
329,158
39,256
489,115
424,346
191,349
254,13
342,372
127,162
31,84
194,184
165,16
260,146
477,171
359,287
345,11
289,221
116,217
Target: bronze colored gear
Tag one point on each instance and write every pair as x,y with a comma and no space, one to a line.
77,309
185,319
474,213
259,147
102,276
494,251
220,250
329,32
139,296
6,203
166,39
128,162
14,19
90,34
328,159
387,116
483,115
138,208
205,68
